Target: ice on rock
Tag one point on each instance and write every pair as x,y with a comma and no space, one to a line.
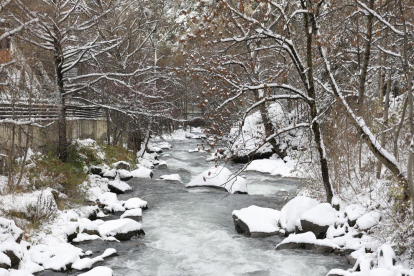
134,203
171,177
142,172
293,210
121,229
220,177
98,271
260,221
368,220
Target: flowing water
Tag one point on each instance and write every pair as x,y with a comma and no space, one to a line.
190,232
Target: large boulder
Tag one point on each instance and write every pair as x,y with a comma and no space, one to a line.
135,214
124,175
118,187
121,229
122,165
256,222
142,172
135,203
293,210
95,170
221,178
110,174
318,219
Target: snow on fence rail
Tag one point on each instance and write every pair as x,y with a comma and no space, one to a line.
46,110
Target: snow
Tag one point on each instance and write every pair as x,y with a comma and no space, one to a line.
135,203
171,177
220,177
4,259
85,263
259,219
322,214
98,271
119,226
369,220
132,213
146,163
120,185
142,172
293,210
354,211
124,163
274,167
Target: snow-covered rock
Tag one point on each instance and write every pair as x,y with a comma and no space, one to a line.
135,203
110,174
293,210
272,166
164,145
152,149
307,241
354,212
256,221
121,229
221,178
135,214
142,172
368,220
162,165
122,165
111,202
171,177
318,219
119,187
124,175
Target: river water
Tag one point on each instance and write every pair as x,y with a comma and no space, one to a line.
191,232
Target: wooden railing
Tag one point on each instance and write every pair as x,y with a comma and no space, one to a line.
47,111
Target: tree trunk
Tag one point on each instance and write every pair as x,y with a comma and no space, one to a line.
385,119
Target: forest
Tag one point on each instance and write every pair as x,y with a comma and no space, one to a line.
245,137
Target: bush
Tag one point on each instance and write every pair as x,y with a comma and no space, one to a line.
117,153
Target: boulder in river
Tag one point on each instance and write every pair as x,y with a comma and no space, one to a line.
118,187
121,229
307,241
318,219
135,214
256,222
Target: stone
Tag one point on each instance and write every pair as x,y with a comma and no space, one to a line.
96,170
15,261
318,230
122,165
243,229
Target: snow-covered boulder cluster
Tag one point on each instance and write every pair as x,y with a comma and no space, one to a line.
308,224
273,166
220,178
